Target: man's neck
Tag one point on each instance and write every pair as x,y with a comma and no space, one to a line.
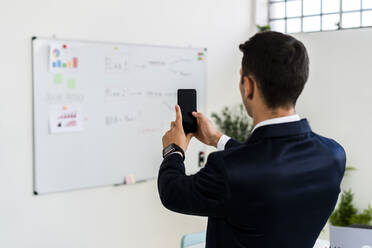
265,114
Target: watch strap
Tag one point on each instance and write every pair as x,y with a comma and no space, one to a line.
171,149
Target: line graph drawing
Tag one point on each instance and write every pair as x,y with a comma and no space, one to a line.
182,60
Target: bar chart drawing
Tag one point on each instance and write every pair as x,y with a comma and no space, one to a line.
62,58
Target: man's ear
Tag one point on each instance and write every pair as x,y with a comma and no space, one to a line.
248,83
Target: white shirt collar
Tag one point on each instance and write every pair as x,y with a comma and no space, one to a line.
278,120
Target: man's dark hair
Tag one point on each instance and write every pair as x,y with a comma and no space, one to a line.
280,65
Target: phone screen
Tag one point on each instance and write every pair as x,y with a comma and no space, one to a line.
186,99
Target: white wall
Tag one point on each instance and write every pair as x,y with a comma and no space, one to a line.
337,99
127,216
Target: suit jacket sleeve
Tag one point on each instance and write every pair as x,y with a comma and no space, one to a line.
232,143
204,193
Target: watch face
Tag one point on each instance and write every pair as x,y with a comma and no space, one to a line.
168,149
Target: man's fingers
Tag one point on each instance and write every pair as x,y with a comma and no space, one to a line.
199,117
173,124
197,114
178,116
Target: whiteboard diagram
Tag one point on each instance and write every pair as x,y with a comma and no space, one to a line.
100,109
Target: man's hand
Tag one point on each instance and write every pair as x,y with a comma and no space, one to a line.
176,133
206,133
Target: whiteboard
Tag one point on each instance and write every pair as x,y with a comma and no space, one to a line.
100,109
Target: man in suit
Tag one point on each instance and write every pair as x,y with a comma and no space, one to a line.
279,187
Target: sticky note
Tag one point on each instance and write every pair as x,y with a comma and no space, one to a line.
65,118
71,83
57,78
62,58
130,179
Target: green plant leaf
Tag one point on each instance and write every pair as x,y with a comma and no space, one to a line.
346,214
263,28
234,122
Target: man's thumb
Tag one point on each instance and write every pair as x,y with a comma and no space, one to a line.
196,114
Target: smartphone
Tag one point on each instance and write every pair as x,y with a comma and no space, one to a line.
186,99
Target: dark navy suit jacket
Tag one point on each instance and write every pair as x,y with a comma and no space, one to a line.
277,189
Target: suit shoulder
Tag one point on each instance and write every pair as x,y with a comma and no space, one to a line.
331,143
334,147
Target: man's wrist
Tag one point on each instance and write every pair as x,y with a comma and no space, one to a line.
216,138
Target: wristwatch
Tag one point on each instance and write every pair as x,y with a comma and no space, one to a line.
172,148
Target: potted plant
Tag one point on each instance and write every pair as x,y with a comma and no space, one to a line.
350,225
234,122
